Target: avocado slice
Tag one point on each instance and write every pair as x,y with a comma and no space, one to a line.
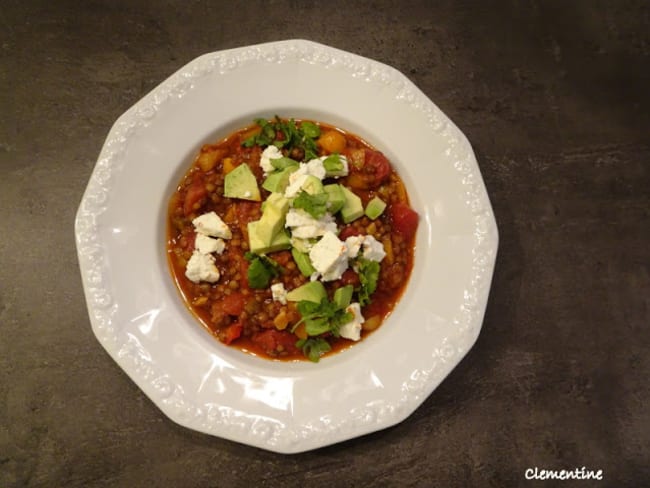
271,222
313,291
352,208
343,296
278,181
312,185
257,245
241,183
303,262
278,200
274,211
375,208
335,197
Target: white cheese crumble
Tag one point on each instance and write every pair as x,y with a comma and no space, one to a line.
271,152
352,329
329,256
206,245
304,226
354,244
201,267
279,293
313,167
210,224
373,250
369,247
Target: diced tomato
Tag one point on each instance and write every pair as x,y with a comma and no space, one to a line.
405,219
350,277
269,341
379,165
233,304
195,193
348,231
369,173
232,332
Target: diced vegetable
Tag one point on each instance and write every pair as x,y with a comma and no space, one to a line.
404,218
332,141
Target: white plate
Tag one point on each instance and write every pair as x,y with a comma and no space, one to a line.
137,314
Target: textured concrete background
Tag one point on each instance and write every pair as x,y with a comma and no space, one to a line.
554,98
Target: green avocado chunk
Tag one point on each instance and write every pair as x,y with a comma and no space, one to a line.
343,296
258,245
335,197
352,208
375,208
314,291
312,185
270,225
241,183
303,262
278,180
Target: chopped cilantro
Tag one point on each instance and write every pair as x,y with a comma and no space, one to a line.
310,129
333,163
283,163
292,136
264,137
314,205
323,317
313,347
261,270
368,275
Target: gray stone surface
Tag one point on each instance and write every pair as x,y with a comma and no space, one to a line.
554,98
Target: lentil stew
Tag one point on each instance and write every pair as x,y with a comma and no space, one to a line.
290,239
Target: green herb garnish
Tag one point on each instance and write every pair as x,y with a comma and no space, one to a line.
261,270
294,136
313,347
323,317
333,164
368,275
310,129
283,163
265,137
314,205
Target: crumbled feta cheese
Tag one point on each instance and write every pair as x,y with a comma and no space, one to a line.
313,167
352,329
271,152
373,250
296,180
201,267
354,244
206,245
279,293
329,256
304,226
210,224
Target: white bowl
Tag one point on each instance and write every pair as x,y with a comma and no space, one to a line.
138,316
